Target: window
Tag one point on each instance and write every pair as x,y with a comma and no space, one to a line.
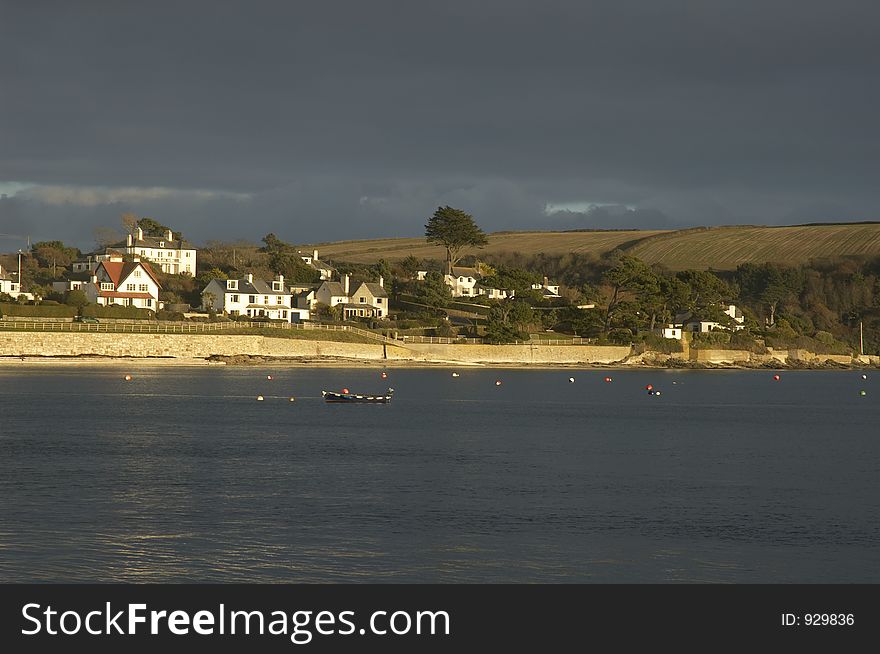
233,298
232,284
379,313
106,286
279,299
129,287
252,299
378,300
149,303
187,254
137,273
363,300
284,314
265,299
276,286
143,288
161,244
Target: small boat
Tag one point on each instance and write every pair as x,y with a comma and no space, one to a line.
356,398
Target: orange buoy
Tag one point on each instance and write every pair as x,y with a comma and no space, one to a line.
775,377
498,382
345,390
608,380
649,387
384,375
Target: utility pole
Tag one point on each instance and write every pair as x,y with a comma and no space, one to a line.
861,339
20,287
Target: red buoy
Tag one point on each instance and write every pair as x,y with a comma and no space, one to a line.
345,390
775,377
649,387
608,380
384,375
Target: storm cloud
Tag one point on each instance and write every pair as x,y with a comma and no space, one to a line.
332,120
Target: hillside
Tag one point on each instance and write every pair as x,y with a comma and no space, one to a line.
597,242
720,248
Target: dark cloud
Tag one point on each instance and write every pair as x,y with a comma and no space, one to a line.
328,120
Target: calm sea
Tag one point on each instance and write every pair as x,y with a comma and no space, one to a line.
181,475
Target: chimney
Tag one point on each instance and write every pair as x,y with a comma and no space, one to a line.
345,284
140,233
546,281
128,240
280,280
169,235
94,279
250,278
381,281
314,255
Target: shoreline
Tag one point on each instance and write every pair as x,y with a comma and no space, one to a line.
11,361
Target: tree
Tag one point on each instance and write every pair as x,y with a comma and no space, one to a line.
154,228
76,298
631,281
285,260
409,266
455,230
434,291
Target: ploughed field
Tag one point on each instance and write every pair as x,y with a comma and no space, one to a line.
720,248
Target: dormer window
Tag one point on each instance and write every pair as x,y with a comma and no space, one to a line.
106,286
232,284
276,286
161,244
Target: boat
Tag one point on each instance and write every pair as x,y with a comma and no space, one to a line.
356,398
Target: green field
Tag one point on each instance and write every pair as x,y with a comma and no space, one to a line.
719,248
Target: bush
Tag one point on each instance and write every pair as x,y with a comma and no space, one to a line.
169,315
37,311
657,343
116,311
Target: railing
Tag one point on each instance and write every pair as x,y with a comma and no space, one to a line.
148,327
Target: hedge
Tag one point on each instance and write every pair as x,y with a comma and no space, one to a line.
37,311
116,311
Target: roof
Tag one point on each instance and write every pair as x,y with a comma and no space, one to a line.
257,287
335,288
153,242
120,270
375,289
461,271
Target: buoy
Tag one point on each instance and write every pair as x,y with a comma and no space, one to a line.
649,387
269,377
656,392
675,382
259,398
455,374
571,380
608,380
862,393
128,378
384,375
498,382
293,399
864,376
345,390
775,377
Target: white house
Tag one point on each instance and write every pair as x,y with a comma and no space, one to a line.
548,291
9,285
691,324
170,255
463,281
128,283
333,293
670,331
493,293
253,298
324,269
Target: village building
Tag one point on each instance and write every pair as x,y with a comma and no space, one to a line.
167,254
253,298
9,284
126,283
325,270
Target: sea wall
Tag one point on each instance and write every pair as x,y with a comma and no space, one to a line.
532,353
53,344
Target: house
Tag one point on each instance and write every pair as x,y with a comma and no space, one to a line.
74,282
333,293
324,269
170,255
369,300
670,331
548,291
690,323
128,283
493,293
463,281
253,298
9,285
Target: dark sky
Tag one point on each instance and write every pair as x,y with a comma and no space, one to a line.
329,120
